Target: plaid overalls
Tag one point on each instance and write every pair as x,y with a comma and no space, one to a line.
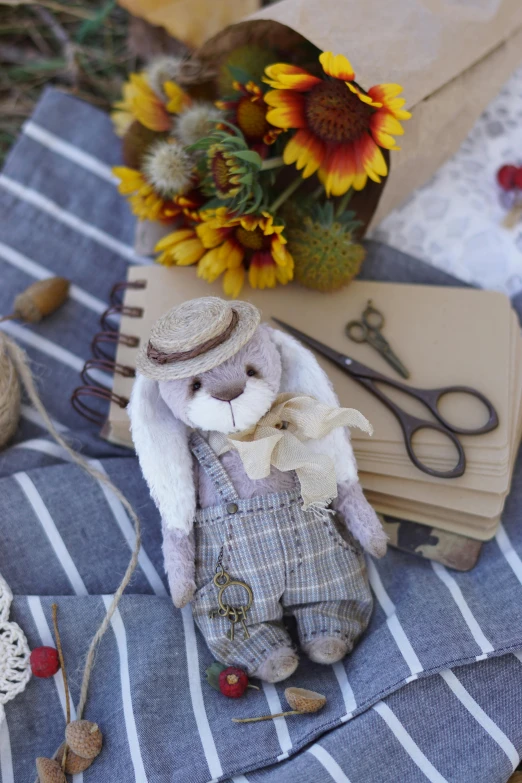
296,562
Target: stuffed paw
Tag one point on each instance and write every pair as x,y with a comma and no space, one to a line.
182,592
361,520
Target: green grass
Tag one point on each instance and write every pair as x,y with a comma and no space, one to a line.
80,47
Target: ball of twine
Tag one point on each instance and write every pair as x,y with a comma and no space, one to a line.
10,393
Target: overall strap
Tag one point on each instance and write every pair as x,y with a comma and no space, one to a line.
210,463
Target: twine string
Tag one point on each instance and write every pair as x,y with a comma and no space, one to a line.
19,363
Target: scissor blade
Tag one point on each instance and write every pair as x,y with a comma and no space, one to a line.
339,358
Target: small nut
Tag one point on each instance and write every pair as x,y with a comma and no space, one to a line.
84,738
303,700
49,771
74,763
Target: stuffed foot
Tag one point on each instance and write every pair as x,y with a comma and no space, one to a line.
278,666
327,649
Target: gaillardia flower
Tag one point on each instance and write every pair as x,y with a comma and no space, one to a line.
340,127
146,203
229,170
248,111
229,245
141,103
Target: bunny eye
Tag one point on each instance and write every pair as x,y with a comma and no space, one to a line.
196,386
251,372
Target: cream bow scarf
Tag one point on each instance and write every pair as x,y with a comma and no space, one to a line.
279,439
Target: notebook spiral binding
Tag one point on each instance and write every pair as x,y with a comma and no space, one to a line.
102,360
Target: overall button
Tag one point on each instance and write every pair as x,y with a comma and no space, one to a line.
232,508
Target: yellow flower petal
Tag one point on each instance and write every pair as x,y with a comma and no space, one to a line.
283,76
170,240
362,96
279,252
233,280
284,274
306,151
211,237
178,98
337,65
188,252
231,254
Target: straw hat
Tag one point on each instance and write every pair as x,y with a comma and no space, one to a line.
195,337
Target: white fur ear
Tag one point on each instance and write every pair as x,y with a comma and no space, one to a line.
161,443
302,374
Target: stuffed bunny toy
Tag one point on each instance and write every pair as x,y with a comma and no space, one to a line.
243,445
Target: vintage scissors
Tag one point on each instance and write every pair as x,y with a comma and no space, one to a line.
430,398
369,330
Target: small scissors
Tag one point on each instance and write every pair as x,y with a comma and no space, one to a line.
430,398
368,330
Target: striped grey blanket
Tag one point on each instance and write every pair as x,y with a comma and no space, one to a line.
434,690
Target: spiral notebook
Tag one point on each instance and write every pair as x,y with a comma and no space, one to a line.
443,335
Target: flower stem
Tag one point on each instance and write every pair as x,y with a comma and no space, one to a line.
289,191
343,203
272,163
266,717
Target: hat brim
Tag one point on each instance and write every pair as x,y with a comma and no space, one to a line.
248,320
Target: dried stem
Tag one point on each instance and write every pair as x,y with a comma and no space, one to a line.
267,717
64,674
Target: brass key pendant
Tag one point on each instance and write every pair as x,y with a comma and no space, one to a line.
235,614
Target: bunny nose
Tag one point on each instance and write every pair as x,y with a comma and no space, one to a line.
228,394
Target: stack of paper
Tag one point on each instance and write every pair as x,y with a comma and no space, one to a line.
444,336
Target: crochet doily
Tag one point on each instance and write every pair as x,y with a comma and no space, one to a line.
15,669
455,221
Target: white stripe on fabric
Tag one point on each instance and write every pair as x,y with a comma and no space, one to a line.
6,756
506,547
518,656
45,446
51,531
408,743
32,415
196,695
489,725
275,706
240,779
57,212
119,513
69,151
346,690
127,530
469,618
396,629
55,351
128,713
329,763
46,638
40,272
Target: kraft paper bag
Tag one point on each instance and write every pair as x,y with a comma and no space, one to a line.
450,56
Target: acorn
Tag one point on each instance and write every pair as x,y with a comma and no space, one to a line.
84,738
49,771
73,763
40,299
303,700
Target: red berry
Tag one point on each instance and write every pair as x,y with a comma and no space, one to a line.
506,177
518,178
44,661
233,682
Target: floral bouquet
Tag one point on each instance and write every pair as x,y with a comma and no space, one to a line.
251,165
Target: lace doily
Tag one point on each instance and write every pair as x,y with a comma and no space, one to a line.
454,222
15,669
